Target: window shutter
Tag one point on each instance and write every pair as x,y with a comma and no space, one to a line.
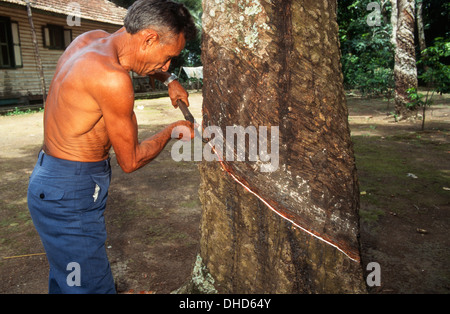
67,37
16,44
46,33
5,53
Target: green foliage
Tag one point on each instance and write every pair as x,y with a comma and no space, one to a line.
20,111
417,99
436,73
123,3
367,53
191,54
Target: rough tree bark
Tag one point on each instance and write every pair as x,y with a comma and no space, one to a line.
405,70
394,18
420,26
421,35
277,63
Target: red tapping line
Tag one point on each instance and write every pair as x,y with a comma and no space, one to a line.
277,212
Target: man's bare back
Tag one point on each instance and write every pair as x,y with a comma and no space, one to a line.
74,128
91,99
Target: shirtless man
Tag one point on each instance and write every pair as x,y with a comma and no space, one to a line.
89,108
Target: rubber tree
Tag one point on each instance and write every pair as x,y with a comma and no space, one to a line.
405,69
293,226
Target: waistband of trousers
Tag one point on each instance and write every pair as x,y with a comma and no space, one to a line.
72,167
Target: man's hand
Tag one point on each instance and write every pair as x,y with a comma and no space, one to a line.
177,92
183,130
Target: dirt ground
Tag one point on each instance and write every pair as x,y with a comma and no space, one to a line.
153,214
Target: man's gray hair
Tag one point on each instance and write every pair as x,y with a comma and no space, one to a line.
162,15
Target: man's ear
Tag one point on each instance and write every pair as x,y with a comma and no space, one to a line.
149,37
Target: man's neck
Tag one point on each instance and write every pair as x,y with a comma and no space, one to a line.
123,45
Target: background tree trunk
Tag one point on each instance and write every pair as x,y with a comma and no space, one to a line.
421,35
394,19
420,26
405,70
277,63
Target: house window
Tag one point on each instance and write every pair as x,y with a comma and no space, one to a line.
56,37
10,51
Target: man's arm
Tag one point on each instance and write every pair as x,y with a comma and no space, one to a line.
176,90
117,103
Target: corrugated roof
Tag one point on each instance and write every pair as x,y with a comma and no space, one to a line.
94,10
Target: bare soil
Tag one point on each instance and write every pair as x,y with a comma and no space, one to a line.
153,214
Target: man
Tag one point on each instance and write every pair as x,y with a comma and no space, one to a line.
89,109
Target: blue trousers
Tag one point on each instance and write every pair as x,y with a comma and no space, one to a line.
66,200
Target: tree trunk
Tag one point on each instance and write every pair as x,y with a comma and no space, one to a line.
384,11
293,228
405,70
420,27
421,33
394,19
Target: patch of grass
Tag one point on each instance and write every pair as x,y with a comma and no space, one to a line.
18,111
394,173
422,139
370,216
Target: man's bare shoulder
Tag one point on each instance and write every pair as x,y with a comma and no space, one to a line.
90,69
97,66
107,82
108,75
89,36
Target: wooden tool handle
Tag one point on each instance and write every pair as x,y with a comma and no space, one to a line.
184,109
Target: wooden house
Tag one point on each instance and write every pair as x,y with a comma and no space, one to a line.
26,66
